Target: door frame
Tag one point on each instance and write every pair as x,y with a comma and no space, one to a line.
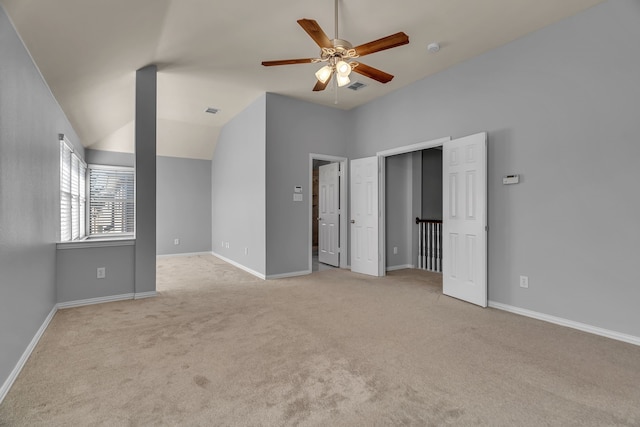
382,197
343,201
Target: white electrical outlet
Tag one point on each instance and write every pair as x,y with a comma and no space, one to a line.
524,281
395,250
226,245
101,273
176,241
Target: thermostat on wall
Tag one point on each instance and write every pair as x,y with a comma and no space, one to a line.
511,179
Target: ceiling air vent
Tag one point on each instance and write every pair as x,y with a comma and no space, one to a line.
356,86
212,110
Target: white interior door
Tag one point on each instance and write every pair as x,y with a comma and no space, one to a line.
329,214
464,243
364,216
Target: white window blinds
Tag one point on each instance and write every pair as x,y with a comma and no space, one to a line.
111,200
72,193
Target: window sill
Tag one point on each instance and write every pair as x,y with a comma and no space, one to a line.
99,242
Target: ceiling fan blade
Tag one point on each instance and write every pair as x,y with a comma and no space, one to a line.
321,86
373,73
315,32
394,40
288,62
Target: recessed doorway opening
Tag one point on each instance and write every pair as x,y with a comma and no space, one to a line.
327,220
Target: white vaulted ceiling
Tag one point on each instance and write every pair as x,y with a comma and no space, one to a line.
209,52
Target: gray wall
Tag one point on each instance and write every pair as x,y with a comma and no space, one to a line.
112,158
561,108
76,272
183,205
294,130
238,189
416,203
399,209
431,184
30,121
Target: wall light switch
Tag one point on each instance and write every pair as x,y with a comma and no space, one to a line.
176,241
297,197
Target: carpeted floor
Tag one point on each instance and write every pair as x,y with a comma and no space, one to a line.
220,347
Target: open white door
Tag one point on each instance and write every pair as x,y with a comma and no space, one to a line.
364,216
464,243
328,214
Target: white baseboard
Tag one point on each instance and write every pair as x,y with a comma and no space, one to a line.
99,300
568,323
141,295
400,267
183,254
260,275
25,356
240,266
285,275
110,298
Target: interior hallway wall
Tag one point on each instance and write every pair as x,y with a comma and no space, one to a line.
398,211
431,184
561,109
416,202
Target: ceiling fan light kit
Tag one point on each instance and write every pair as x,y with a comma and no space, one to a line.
342,80
339,55
324,73
343,69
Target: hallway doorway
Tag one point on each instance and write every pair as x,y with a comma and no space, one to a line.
327,222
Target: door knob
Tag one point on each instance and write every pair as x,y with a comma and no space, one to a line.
353,221
319,219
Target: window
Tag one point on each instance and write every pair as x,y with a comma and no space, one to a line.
111,194
72,193
111,200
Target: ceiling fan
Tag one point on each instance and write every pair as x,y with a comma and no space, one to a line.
340,54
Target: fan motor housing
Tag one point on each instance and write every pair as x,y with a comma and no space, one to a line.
341,45
341,49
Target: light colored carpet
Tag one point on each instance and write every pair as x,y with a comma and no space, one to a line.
220,347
